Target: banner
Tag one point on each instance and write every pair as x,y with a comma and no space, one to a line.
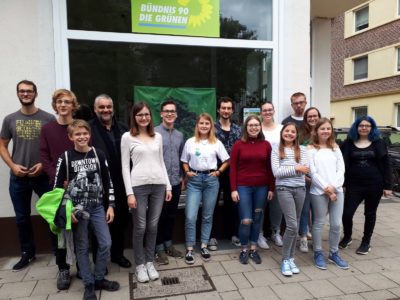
176,17
190,103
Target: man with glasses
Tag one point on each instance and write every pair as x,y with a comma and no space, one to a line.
106,135
54,141
23,128
173,143
299,103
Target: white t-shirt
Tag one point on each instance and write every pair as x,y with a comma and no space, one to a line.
273,136
202,156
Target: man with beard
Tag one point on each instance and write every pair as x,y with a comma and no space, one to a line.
298,102
106,135
23,128
228,133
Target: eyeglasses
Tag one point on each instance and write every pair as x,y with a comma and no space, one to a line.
299,103
105,106
29,92
364,126
267,110
146,115
253,125
63,101
169,112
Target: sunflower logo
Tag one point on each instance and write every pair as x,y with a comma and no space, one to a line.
205,12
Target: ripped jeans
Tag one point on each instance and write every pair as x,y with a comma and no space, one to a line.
251,211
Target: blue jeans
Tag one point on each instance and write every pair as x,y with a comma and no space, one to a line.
251,207
202,188
100,229
305,213
21,189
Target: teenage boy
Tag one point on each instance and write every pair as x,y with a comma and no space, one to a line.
53,142
173,143
89,185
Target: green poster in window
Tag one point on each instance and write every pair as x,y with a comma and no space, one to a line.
190,103
176,17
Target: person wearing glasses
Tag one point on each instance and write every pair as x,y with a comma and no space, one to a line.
298,102
54,141
368,177
146,184
26,171
173,142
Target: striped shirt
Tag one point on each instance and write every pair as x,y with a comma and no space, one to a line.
284,169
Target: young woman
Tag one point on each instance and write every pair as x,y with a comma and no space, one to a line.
199,158
368,176
252,183
311,117
289,165
146,184
271,131
327,175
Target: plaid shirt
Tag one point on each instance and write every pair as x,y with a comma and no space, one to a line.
228,140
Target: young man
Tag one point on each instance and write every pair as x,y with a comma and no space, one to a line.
89,185
54,141
298,102
228,133
173,143
106,135
23,128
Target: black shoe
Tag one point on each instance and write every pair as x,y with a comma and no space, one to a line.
89,293
345,242
363,249
244,257
255,256
123,262
63,280
107,285
205,254
189,257
24,261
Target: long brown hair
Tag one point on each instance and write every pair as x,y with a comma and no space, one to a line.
296,146
315,139
245,135
137,107
212,139
306,130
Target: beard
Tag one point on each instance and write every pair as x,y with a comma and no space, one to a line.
24,103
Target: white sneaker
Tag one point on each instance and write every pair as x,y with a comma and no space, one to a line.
153,274
212,244
235,241
277,238
293,267
303,246
262,242
141,274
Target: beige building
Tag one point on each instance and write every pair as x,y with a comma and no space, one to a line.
366,63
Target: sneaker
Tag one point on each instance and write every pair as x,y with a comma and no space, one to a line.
319,260
363,249
262,242
212,244
89,293
309,235
173,252
151,271
244,257
345,242
189,257
285,268
293,267
107,285
122,261
235,241
162,258
141,274
337,260
63,280
277,238
23,262
255,256
303,246
205,254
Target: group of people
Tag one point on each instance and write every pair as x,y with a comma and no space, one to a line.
295,167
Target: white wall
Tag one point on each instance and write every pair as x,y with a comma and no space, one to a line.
27,52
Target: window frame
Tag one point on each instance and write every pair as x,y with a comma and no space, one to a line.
354,111
358,59
364,26
398,59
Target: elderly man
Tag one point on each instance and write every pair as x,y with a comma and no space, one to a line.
106,135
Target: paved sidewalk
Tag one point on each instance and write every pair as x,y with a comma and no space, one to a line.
373,276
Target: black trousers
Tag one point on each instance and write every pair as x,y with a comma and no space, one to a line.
119,226
353,198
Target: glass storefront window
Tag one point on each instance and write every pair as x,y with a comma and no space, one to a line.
248,20
115,68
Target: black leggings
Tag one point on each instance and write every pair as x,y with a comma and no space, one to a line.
353,197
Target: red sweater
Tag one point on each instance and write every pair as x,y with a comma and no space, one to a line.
250,165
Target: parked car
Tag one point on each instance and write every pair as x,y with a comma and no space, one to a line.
391,135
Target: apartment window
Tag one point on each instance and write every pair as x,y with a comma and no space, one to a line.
361,18
398,115
359,112
398,59
360,68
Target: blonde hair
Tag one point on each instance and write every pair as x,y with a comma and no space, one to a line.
61,93
76,124
212,139
330,143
